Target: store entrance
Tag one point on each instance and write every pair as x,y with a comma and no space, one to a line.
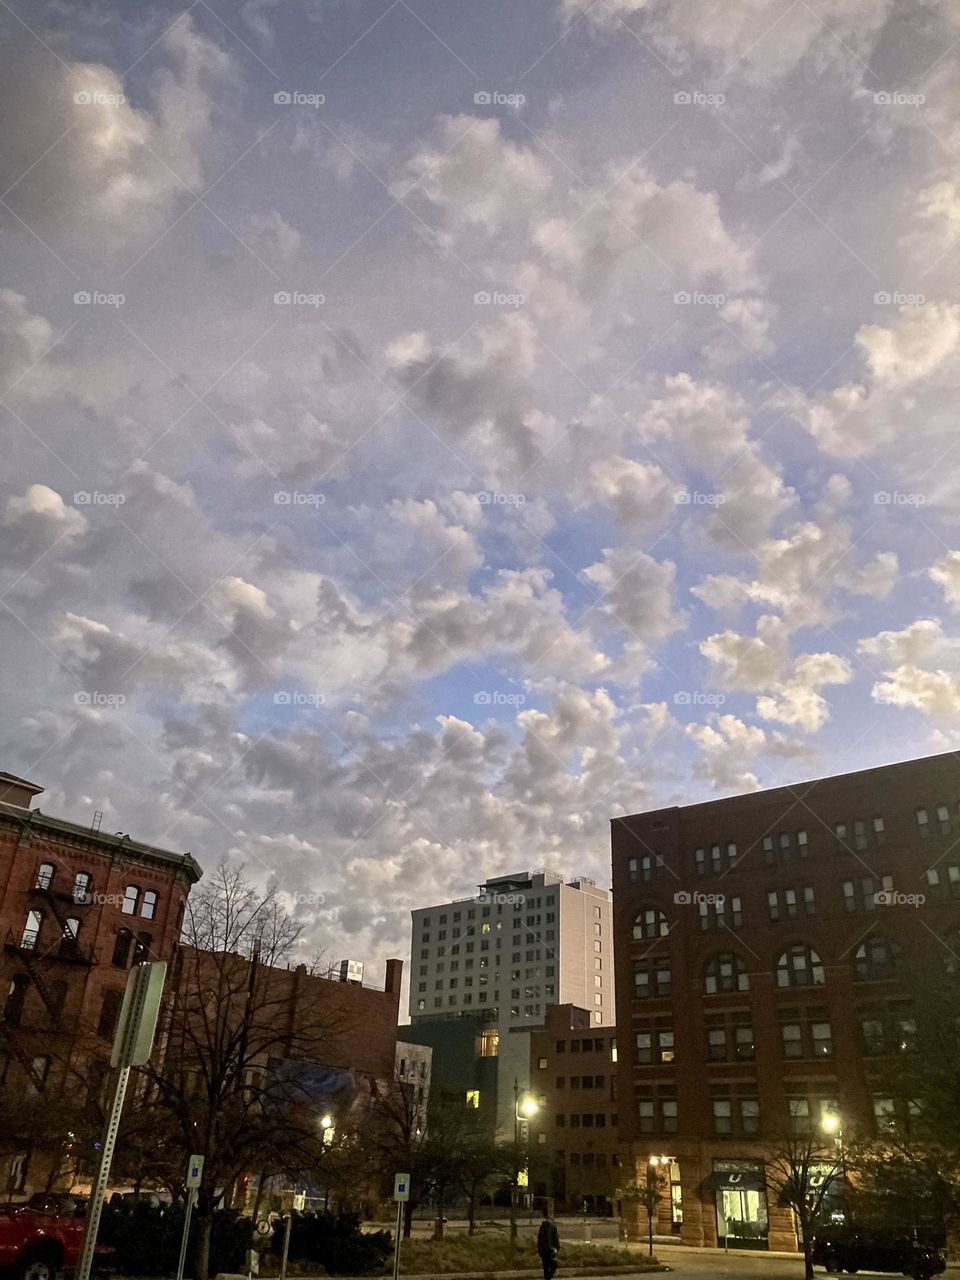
741,1204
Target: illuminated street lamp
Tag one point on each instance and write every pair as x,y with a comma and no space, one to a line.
525,1107
832,1124
328,1127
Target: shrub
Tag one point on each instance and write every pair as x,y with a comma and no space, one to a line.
146,1238
335,1241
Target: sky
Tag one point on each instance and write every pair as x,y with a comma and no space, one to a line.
434,428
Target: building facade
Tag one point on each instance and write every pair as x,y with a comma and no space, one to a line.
574,1143
78,907
485,970
758,942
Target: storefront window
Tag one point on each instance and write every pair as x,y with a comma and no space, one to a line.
741,1204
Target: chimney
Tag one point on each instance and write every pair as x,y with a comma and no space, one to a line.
394,976
17,791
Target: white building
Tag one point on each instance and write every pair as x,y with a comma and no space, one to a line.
525,942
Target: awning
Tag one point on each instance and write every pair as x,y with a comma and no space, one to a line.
736,1180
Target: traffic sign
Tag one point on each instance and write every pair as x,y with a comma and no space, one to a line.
401,1187
133,1042
195,1171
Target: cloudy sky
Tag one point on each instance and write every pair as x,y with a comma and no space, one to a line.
432,427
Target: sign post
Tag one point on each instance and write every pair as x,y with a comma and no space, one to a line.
401,1193
194,1175
132,1046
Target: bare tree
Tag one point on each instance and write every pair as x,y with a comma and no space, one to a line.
218,1084
802,1168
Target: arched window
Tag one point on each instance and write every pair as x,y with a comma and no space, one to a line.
650,922
71,932
725,972
121,949
39,1070
131,896
149,905
800,966
82,887
876,958
31,930
141,950
44,876
180,910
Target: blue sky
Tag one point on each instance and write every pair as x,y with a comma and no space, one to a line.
537,412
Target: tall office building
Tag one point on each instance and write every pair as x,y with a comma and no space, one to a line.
485,969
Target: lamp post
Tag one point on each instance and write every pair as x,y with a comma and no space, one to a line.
651,1197
831,1123
525,1107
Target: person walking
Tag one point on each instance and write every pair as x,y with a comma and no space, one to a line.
548,1245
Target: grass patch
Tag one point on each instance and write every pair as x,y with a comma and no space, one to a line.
462,1253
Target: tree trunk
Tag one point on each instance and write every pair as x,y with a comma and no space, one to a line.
200,1249
472,1213
438,1226
650,1233
807,1261
407,1219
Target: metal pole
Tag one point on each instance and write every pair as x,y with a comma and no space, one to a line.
286,1245
103,1175
396,1248
186,1233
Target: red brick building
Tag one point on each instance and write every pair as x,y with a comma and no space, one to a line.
78,907
574,1137
757,948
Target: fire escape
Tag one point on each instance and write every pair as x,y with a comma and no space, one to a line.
36,957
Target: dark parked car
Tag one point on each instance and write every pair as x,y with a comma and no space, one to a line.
844,1248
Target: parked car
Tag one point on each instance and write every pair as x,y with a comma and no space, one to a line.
44,1236
845,1248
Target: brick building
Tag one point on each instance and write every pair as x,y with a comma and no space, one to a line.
575,1137
78,907
757,942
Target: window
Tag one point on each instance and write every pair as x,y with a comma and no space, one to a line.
866,893
31,930
109,1013
473,1098
149,905
131,896
121,949
805,1033
656,1111
730,1040
876,959
923,823
16,996
649,922
39,1070
654,1046
721,913
647,868
944,882
714,860
787,904
784,847
651,979
884,1112
71,933
142,946
82,887
44,876
873,1041
725,972
737,1114
800,966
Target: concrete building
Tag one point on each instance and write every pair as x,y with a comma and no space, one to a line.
78,907
575,1136
485,970
758,943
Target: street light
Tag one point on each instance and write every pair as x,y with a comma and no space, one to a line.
525,1107
832,1124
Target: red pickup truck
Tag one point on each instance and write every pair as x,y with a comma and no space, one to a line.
43,1236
